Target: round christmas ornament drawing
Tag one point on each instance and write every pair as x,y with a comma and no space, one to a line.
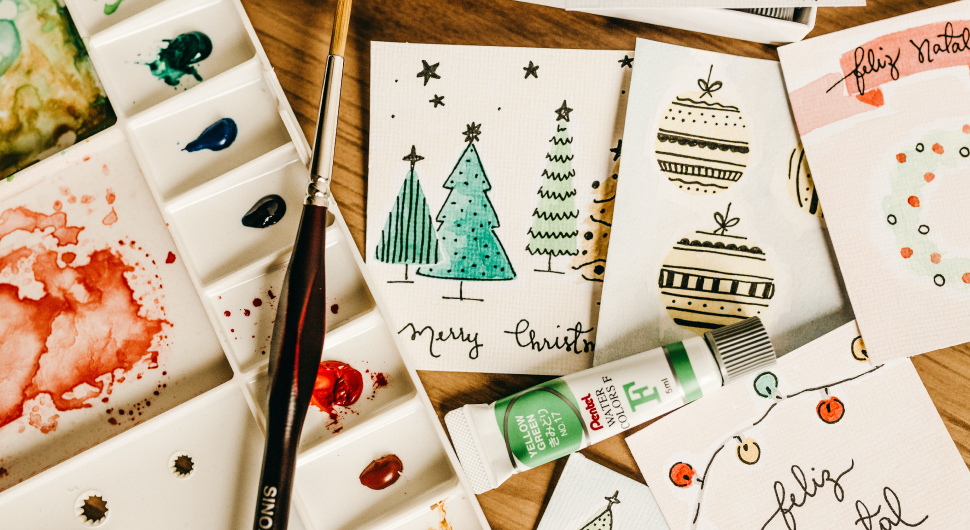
703,140
801,186
712,279
928,166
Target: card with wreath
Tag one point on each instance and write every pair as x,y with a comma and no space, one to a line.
884,115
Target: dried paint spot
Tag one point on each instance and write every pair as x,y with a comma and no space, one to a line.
439,508
30,221
87,199
245,312
58,206
91,508
68,258
901,158
913,201
110,219
109,195
170,258
938,149
935,258
379,379
3,472
270,293
227,313
966,277
257,302
929,177
182,465
906,252
334,308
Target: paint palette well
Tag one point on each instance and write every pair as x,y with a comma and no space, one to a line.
147,408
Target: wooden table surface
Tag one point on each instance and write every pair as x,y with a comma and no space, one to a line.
296,35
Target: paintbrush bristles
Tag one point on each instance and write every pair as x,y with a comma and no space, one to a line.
341,24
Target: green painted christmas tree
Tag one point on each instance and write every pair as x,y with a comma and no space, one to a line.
603,521
408,237
471,249
554,223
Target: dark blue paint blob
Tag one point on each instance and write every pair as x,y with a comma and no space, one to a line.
215,137
266,212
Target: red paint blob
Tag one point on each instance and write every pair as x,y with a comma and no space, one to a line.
246,312
68,257
337,384
270,293
110,219
682,474
913,201
966,277
227,313
901,158
112,421
170,258
334,308
257,302
929,177
938,149
109,196
58,206
906,252
87,199
380,380
935,258
830,410
382,472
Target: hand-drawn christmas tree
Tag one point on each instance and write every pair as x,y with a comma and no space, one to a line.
554,224
408,236
604,520
591,260
471,249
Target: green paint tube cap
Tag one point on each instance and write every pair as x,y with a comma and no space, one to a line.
741,348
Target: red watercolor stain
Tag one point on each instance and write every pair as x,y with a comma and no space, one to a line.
57,206
68,257
257,302
170,258
935,258
227,313
966,277
382,472
901,158
85,326
72,199
380,380
87,199
65,191
13,259
85,159
913,201
906,252
104,170
110,219
929,177
246,312
334,308
337,384
109,195
872,97
938,149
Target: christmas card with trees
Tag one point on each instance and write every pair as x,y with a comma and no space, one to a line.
589,496
824,439
717,219
492,177
884,114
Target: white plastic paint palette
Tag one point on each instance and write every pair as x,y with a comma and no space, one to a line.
137,238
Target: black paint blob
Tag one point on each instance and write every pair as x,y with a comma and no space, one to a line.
266,212
215,137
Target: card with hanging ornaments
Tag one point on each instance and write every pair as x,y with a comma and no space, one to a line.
492,177
884,113
589,496
717,219
823,439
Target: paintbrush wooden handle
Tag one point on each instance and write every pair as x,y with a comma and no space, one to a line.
294,360
341,25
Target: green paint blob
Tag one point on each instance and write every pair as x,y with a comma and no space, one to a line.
111,8
177,58
9,44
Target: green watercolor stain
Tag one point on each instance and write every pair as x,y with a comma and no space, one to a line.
177,58
111,8
9,45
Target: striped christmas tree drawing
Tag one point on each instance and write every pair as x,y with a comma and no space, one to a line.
408,237
712,279
555,219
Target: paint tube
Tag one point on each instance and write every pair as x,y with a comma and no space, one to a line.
561,416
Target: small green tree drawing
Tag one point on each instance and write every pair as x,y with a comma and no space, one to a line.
554,224
471,249
408,236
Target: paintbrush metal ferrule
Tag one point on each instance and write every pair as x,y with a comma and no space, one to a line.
325,138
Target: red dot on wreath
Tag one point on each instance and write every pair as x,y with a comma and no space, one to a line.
682,474
929,177
935,258
938,149
913,201
906,252
966,129
901,158
966,277
830,410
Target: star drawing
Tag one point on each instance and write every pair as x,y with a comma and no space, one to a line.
532,69
616,150
413,157
472,132
626,61
428,72
437,100
562,113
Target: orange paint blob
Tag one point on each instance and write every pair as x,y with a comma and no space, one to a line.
966,277
929,177
109,195
938,149
110,219
906,252
913,201
935,258
901,158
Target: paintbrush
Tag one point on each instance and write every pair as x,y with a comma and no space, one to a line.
301,314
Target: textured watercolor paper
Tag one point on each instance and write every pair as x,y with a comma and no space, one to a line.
884,115
825,439
589,496
492,178
717,220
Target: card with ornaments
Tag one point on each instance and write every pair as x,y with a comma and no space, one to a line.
884,114
718,219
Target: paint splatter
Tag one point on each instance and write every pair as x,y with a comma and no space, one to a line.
109,9
257,302
215,137
334,308
108,194
69,342
170,258
338,384
382,472
179,57
110,219
266,212
439,508
379,379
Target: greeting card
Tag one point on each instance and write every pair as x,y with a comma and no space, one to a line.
884,114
